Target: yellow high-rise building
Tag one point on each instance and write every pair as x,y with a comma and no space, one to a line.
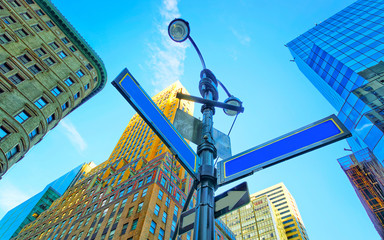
138,193
271,214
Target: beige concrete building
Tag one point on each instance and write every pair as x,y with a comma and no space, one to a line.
46,71
272,214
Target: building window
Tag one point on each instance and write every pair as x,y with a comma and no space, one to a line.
3,133
130,211
4,39
86,87
134,224
135,197
140,206
30,1
68,81
33,133
40,52
49,61
34,69
164,218
41,102
80,73
50,23
5,67
12,152
26,16
37,28
53,45
8,20
21,33
76,96
163,181
144,192
56,91
14,3
22,116
40,12
167,202
95,79
50,118
24,59
89,66
152,228
62,54
160,195
157,210
124,229
161,234
140,183
64,106
177,197
65,40
16,79
72,48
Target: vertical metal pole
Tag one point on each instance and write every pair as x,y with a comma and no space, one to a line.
204,221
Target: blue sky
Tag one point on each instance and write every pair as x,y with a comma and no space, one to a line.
243,44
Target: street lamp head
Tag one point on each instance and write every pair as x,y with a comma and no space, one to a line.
178,30
234,101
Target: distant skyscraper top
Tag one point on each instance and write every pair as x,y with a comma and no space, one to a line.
342,57
271,214
47,70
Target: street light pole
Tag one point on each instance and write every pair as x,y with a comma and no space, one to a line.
204,226
204,218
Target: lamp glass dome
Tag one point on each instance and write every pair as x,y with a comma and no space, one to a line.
178,30
234,102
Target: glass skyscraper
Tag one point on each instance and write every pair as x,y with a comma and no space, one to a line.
343,57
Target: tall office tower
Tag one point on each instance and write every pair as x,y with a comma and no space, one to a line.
138,193
28,211
47,70
271,214
366,175
138,139
343,57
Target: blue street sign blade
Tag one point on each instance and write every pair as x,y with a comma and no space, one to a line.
305,139
154,117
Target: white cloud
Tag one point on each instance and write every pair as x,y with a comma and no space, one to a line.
167,57
10,197
243,38
73,135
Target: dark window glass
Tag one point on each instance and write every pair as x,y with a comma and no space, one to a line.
12,152
22,116
53,45
3,132
41,102
8,19
134,224
124,229
40,52
34,69
4,39
50,23
33,133
89,66
80,73
56,91
49,61
65,40
62,54
152,228
72,48
16,79
64,106
68,81
37,28
5,67
21,33
40,12
26,16
24,59
76,96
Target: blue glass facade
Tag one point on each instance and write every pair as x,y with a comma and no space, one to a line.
343,57
18,217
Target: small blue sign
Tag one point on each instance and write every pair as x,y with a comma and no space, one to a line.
154,117
305,139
